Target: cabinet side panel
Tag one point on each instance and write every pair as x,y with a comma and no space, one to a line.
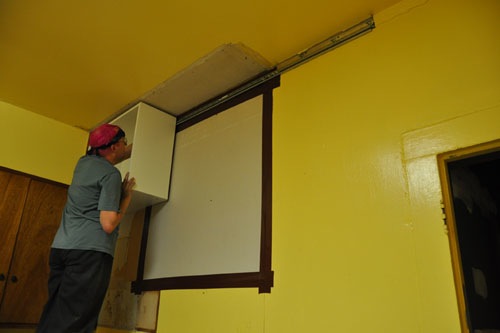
127,122
151,160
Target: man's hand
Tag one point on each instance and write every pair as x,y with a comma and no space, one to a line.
127,186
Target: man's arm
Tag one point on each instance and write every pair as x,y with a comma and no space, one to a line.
111,219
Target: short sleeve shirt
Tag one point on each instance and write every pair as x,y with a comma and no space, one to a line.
96,186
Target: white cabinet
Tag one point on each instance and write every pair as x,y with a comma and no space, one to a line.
152,133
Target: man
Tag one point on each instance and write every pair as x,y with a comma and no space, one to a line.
82,252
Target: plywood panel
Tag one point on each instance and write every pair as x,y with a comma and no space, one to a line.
225,68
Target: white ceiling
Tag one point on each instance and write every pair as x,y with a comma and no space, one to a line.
82,62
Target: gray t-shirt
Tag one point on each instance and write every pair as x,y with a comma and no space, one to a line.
96,186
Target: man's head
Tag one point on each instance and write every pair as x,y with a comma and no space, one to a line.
106,140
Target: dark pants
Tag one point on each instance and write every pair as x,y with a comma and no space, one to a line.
77,285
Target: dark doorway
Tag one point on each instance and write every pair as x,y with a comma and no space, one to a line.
475,190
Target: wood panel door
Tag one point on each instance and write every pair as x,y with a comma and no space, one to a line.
13,192
26,288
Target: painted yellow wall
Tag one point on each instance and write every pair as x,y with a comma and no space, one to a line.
38,145
359,244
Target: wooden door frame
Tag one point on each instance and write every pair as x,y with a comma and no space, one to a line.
449,212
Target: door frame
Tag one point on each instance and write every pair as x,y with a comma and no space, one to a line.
449,215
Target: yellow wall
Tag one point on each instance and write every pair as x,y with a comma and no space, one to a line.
37,145
358,240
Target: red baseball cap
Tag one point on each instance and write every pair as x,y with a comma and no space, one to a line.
103,135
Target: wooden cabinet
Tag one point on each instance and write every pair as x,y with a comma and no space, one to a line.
152,134
13,191
30,213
